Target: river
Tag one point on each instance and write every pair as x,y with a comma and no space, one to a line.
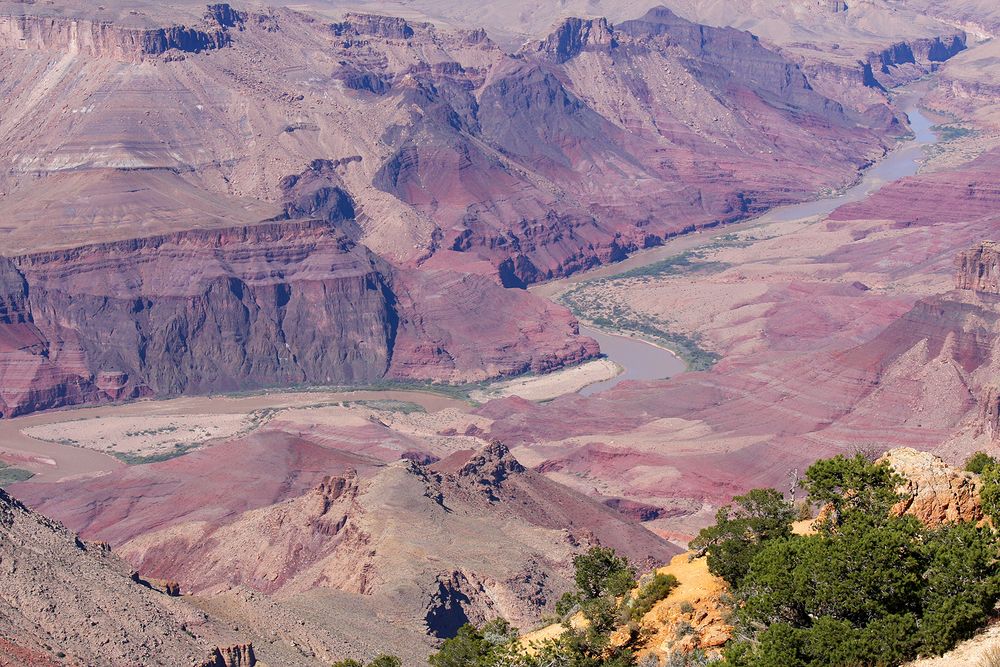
639,359
645,361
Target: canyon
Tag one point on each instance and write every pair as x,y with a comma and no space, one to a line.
276,284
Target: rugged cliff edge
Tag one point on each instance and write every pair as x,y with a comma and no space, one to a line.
978,268
110,40
64,601
281,303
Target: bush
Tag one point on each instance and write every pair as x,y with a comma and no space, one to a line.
868,588
979,462
477,647
657,589
601,572
567,604
989,492
742,530
385,661
852,484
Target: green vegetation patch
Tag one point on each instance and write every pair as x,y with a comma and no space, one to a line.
952,132
656,589
163,430
180,449
10,474
388,405
589,301
590,307
867,589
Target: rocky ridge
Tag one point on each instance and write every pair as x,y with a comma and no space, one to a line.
63,600
470,537
932,491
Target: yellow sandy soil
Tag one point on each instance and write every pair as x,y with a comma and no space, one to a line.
696,601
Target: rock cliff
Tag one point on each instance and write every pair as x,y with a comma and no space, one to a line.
905,61
978,269
280,303
108,40
933,491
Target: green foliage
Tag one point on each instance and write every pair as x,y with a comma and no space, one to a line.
602,577
742,529
9,475
473,647
382,660
179,449
567,604
601,572
867,589
979,462
951,132
989,492
658,588
852,484
386,661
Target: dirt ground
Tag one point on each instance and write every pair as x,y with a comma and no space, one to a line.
546,387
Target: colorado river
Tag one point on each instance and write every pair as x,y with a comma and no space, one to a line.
644,361
639,359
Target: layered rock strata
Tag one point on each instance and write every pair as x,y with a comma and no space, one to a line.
282,303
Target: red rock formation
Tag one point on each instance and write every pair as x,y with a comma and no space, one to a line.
933,491
978,269
241,655
970,192
272,304
474,536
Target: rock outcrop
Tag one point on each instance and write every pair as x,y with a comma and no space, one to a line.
64,602
988,418
933,491
424,545
279,303
574,35
978,269
905,61
101,39
240,655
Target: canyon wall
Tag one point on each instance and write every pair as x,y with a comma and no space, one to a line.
101,39
275,304
978,268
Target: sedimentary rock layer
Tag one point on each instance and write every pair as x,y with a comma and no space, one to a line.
279,303
978,269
